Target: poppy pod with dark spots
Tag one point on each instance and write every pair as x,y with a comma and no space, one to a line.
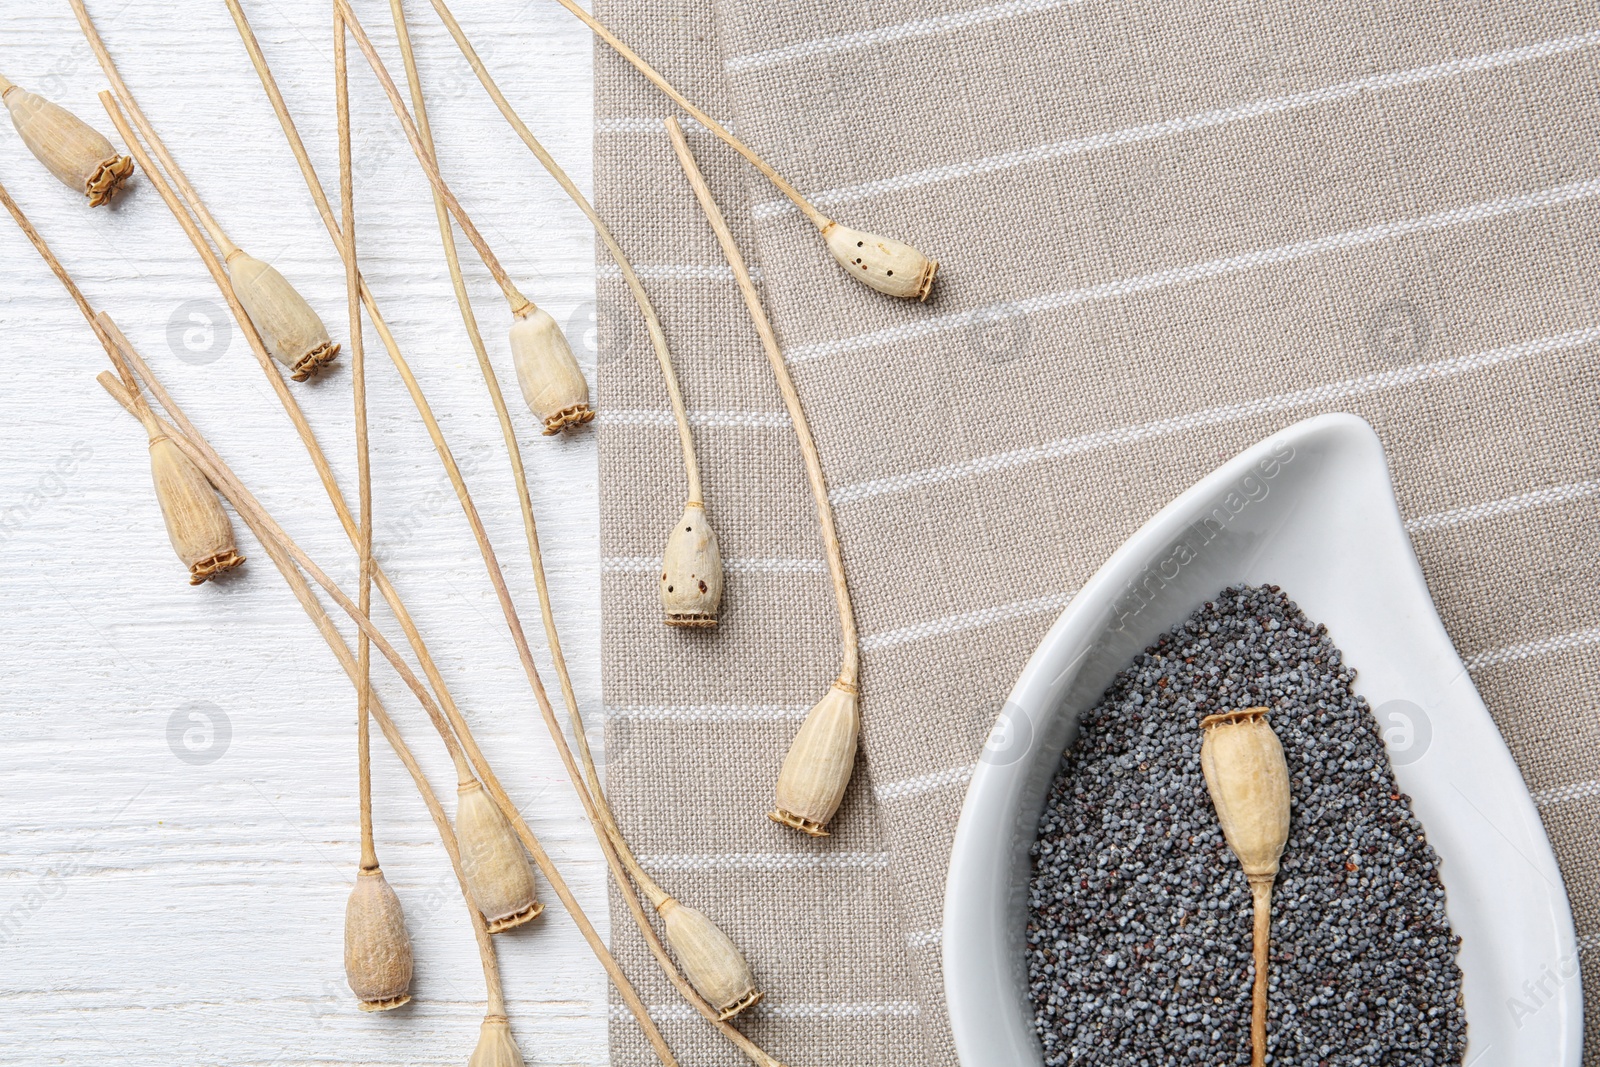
377,948
887,265
691,571
818,766
552,383
71,149
496,867
291,330
1248,779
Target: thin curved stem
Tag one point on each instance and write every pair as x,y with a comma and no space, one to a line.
461,731
98,46
530,527
291,406
430,165
658,337
341,651
851,670
818,219
56,268
358,375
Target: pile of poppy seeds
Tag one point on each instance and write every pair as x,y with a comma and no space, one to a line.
1139,937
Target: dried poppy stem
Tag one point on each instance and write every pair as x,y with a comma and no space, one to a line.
818,766
38,242
552,384
474,754
887,265
358,378
1248,779
292,329
692,579
248,507
658,950
341,651
709,958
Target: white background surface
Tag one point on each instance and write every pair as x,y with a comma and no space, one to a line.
158,911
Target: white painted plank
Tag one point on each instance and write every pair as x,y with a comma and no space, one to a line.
157,911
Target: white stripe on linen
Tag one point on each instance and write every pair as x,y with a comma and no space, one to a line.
734,565
709,712
1561,794
967,620
850,1009
1194,272
1544,646
767,861
923,27
1316,394
1538,498
719,420
925,938
1270,105
676,272
652,124
924,783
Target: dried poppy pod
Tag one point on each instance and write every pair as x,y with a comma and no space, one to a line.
377,949
709,958
820,759
291,330
1248,779
199,529
495,865
889,266
496,1046
691,571
70,148
552,383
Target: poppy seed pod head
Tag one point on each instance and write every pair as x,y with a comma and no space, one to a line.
1248,779
820,760
709,958
198,528
691,572
291,330
377,948
75,152
887,265
496,1046
552,382
496,867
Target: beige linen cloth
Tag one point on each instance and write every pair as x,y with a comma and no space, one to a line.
1167,231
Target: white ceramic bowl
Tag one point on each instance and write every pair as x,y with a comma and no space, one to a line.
1311,510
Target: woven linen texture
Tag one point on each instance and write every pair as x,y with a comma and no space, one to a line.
1167,232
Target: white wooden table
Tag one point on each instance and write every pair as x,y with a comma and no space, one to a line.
178,826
